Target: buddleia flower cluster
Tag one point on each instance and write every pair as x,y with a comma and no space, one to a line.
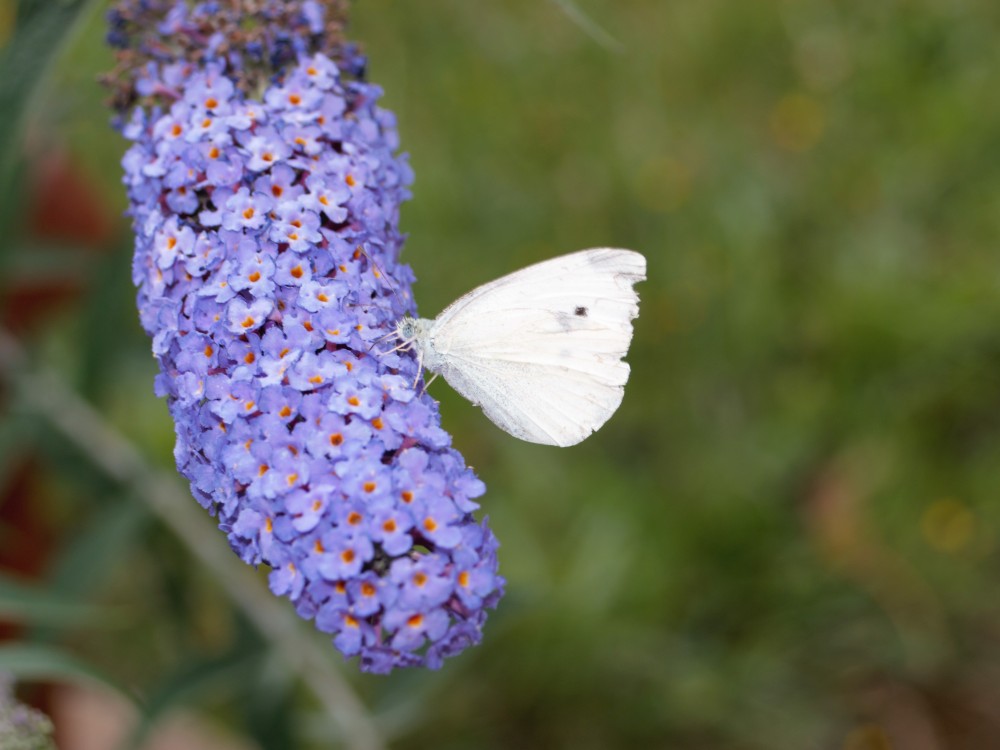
264,187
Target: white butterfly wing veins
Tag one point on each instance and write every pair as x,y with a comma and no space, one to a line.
540,350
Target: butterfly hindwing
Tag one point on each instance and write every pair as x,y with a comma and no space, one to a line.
539,404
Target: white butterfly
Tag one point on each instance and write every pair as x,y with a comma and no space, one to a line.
540,350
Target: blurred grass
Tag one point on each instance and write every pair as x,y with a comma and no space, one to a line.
787,538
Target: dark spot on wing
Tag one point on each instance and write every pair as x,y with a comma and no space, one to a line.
580,312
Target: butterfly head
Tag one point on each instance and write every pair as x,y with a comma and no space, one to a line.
406,330
412,332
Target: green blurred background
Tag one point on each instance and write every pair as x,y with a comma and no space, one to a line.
787,538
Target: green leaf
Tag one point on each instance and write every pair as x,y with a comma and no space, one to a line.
194,682
40,35
103,312
269,707
94,551
100,547
53,262
26,661
32,605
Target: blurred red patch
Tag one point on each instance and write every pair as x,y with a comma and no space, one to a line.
65,207
63,210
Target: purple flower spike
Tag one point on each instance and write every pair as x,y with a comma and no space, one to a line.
267,265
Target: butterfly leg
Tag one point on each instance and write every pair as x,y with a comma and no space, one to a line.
420,369
427,384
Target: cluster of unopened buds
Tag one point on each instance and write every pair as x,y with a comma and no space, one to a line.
266,260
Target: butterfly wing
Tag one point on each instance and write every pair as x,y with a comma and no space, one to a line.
540,350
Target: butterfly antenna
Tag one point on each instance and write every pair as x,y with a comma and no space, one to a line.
384,275
380,339
399,347
375,343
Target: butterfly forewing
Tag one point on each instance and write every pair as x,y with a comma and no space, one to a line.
540,350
